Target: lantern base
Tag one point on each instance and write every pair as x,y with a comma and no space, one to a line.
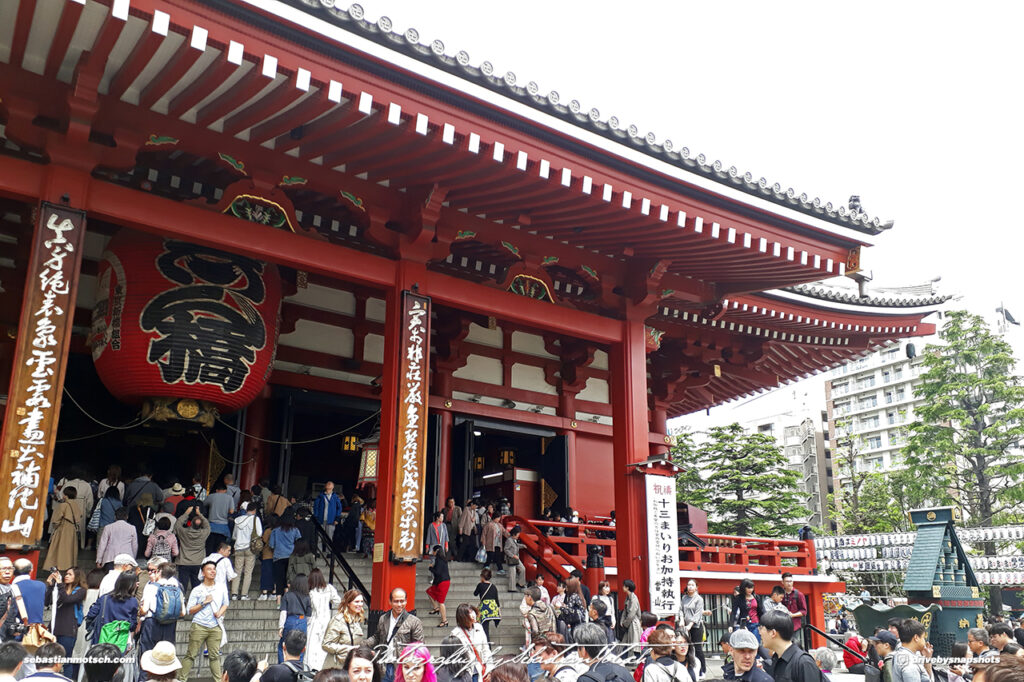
189,410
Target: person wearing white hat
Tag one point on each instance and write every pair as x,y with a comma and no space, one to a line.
122,563
160,663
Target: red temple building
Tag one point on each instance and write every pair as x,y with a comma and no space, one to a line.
231,228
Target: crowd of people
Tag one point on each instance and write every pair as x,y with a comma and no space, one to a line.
180,554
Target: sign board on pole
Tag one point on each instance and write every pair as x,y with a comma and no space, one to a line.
411,441
40,358
662,545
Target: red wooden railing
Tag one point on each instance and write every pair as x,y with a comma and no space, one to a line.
749,555
723,553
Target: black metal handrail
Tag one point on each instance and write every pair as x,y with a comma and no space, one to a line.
835,641
335,557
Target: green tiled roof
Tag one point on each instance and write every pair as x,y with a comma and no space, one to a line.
936,544
927,550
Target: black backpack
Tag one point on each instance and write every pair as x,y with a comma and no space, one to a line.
606,672
300,673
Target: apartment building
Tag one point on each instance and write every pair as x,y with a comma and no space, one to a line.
869,403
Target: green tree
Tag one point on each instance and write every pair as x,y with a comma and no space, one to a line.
964,444
871,509
744,483
868,502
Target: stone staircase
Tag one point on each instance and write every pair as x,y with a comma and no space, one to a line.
464,579
252,624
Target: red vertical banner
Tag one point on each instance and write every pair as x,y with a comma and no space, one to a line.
40,359
411,441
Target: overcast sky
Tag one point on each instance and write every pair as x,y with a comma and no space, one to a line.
914,106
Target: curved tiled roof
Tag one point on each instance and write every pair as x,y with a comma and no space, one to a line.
551,103
851,296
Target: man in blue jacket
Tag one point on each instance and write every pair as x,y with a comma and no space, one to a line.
327,508
29,597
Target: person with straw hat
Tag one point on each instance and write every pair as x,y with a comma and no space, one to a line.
160,663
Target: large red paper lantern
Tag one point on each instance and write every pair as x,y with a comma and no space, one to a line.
176,324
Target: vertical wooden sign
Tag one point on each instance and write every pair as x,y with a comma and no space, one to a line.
662,544
40,359
411,435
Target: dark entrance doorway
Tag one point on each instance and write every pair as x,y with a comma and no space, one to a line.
493,461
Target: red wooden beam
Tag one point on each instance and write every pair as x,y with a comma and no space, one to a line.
520,310
177,66
309,134
143,51
22,180
69,15
322,384
163,216
202,86
281,97
311,108
22,24
241,92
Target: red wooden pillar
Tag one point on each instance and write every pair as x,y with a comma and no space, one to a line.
816,613
387,576
628,363
256,453
444,470
659,424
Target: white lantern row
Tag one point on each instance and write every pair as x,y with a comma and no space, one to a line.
997,565
966,535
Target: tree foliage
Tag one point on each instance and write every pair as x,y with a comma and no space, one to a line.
964,444
869,502
964,447
743,481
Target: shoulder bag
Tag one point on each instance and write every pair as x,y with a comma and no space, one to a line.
37,635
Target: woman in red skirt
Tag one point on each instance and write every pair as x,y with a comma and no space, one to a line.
438,590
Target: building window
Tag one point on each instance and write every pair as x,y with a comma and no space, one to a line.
897,374
869,423
873,442
841,389
866,382
765,428
867,402
886,376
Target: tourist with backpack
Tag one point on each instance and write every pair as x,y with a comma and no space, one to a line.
163,605
296,610
113,618
163,542
291,668
69,597
248,537
207,605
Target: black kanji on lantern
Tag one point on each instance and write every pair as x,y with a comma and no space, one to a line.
210,330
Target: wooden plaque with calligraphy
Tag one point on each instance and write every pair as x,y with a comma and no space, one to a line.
40,359
411,435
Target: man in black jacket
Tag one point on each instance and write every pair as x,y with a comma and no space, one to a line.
790,663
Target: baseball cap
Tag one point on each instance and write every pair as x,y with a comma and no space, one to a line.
886,637
125,560
743,639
